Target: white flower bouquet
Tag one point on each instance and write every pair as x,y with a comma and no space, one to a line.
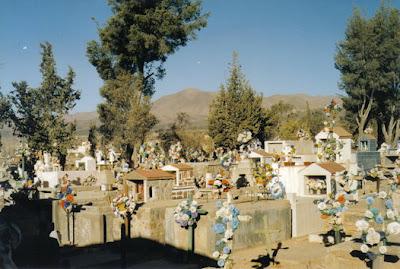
187,213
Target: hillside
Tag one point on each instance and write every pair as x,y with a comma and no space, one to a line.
195,103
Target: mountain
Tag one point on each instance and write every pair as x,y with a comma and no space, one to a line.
195,103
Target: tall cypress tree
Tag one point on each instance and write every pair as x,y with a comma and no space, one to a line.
135,43
38,114
235,109
367,59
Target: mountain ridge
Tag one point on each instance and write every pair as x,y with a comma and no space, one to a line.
195,103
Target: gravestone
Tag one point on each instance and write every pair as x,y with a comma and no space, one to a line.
367,154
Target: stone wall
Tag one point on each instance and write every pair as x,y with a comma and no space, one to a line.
182,192
271,221
201,168
161,189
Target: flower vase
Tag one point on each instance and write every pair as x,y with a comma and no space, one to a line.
378,262
338,237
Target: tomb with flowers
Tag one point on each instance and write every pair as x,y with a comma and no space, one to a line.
319,178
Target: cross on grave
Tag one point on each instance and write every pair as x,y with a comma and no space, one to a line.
191,229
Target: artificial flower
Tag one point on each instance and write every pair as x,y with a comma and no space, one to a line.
393,228
362,225
368,214
215,254
321,206
382,194
382,249
364,248
373,237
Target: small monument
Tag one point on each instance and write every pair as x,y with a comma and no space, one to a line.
367,154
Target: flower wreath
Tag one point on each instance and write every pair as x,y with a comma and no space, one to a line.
66,197
123,205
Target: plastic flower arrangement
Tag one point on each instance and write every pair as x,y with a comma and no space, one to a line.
263,173
394,178
247,144
316,186
175,151
347,185
332,209
375,174
152,155
374,238
227,159
276,189
220,184
226,223
194,155
329,149
187,213
123,205
66,197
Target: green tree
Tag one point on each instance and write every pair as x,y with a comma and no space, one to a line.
4,112
172,134
235,109
135,43
140,35
277,115
92,139
38,114
125,114
357,62
367,59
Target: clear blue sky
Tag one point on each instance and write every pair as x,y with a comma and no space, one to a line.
285,46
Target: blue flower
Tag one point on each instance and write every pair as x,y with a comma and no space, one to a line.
235,212
370,200
389,204
226,250
225,220
219,228
235,223
221,263
379,219
393,187
374,211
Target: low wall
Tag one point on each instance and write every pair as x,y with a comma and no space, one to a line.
53,178
271,221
